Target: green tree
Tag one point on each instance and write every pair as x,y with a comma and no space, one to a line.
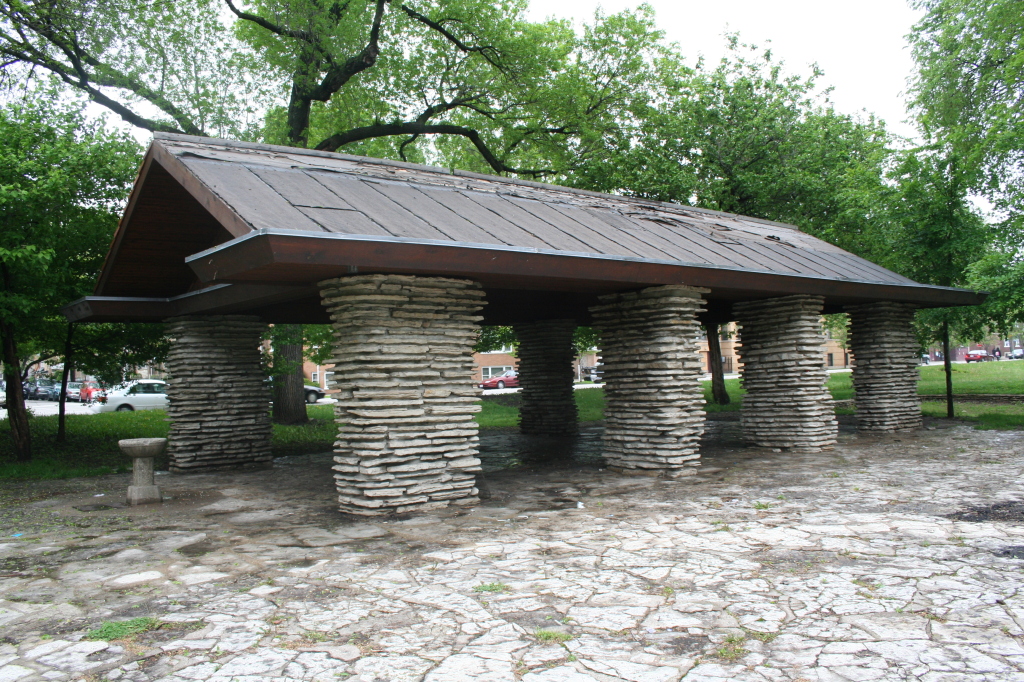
936,237
968,95
62,182
377,77
746,137
968,91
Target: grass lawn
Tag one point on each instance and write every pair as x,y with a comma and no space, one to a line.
985,416
1005,376
91,448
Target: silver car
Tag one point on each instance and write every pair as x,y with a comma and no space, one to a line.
144,394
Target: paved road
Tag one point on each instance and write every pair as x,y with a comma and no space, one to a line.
42,408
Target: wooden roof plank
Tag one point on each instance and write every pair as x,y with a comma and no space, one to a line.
426,204
626,237
300,188
344,221
507,231
397,220
597,242
553,237
672,250
251,198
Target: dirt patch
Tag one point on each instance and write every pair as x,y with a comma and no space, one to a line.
1012,512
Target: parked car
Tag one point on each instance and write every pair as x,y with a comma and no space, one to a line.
977,356
1017,354
38,389
51,393
312,393
75,391
88,391
509,379
144,394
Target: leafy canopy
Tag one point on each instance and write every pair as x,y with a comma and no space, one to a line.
466,83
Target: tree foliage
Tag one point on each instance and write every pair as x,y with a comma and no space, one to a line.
62,181
968,94
467,83
746,137
968,90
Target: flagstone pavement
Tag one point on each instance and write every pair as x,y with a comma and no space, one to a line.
887,558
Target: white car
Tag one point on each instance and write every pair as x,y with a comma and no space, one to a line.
144,394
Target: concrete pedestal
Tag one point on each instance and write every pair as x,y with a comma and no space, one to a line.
143,452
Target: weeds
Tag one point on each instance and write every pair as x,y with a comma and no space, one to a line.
551,636
732,648
493,587
123,629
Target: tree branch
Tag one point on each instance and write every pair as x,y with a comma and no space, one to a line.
272,27
484,51
77,75
334,142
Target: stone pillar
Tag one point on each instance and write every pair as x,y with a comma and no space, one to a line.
219,404
546,375
403,370
654,414
787,404
885,363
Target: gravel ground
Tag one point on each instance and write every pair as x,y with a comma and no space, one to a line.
887,558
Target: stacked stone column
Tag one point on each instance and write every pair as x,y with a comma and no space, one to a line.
787,404
654,414
403,373
219,406
885,358
546,353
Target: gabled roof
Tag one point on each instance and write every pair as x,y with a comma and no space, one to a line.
208,211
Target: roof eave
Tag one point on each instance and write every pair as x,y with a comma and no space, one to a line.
300,257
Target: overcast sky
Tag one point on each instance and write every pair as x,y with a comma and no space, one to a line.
859,45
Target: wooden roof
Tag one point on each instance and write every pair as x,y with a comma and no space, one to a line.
263,218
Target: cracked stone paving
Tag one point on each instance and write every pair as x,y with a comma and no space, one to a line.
886,558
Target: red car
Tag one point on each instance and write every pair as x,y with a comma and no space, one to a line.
977,356
509,379
89,391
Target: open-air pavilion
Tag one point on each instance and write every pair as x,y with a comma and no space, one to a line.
221,238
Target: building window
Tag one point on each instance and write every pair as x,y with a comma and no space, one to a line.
315,377
495,371
831,363
1006,343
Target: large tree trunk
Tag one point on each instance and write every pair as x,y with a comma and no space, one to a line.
718,393
67,374
947,364
17,413
289,396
